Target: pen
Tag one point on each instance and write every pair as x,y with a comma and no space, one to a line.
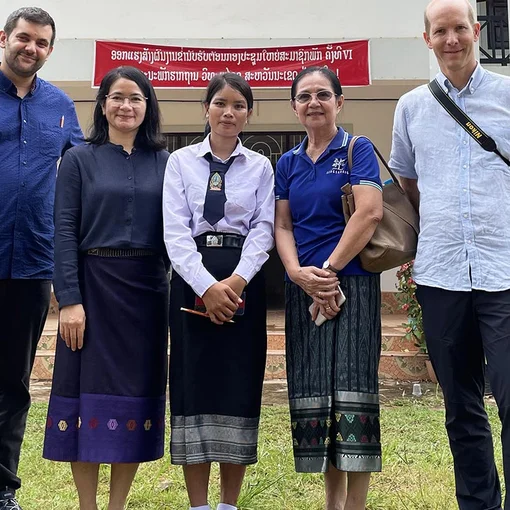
202,314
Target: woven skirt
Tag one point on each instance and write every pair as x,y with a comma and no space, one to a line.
332,379
107,402
216,372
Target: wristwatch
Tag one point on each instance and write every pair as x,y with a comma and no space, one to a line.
329,267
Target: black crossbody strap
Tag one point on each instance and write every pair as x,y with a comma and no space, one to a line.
469,125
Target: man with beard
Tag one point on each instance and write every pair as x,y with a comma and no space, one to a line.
37,124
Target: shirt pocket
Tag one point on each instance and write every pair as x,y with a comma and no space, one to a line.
242,192
244,200
50,140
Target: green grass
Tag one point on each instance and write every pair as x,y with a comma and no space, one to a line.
417,468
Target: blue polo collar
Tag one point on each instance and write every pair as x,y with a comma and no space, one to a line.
339,142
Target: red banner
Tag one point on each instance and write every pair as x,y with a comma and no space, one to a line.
181,67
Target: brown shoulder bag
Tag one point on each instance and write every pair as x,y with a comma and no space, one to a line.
396,237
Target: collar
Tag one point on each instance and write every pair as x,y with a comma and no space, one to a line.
7,86
473,83
338,142
205,147
119,148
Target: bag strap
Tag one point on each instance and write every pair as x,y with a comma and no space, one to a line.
487,143
350,152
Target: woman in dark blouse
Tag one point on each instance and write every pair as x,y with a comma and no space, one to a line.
108,397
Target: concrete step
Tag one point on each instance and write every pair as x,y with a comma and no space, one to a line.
400,359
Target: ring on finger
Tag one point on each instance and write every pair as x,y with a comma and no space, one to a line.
328,307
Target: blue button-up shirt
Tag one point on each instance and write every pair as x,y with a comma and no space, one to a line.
464,240
34,133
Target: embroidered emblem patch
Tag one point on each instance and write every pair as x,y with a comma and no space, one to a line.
338,167
216,182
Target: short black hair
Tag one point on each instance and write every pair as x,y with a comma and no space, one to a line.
149,133
32,15
328,73
233,80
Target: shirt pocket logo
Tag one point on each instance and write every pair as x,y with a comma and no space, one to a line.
339,166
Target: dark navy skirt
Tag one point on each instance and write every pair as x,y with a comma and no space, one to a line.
332,379
216,372
107,402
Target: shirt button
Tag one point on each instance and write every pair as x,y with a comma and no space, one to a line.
465,142
469,241
465,166
127,157
130,199
464,190
465,215
24,162
25,121
130,177
24,141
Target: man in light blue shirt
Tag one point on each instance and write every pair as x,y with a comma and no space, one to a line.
462,266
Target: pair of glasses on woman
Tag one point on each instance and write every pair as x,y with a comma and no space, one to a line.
322,95
119,99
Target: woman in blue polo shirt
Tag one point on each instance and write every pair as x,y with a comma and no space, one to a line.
332,368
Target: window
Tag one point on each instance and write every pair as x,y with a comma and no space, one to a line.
273,145
493,18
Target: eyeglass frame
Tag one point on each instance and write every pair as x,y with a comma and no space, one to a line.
316,94
107,96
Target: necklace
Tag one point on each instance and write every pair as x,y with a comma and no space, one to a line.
315,154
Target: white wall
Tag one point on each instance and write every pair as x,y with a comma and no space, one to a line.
394,28
390,59
176,19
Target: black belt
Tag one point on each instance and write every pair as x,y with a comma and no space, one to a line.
220,240
120,252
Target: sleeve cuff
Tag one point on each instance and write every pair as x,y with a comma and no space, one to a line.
245,270
68,298
366,182
407,172
203,281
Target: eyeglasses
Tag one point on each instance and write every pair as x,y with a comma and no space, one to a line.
322,95
118,100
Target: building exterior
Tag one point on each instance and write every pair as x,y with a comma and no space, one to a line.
399,59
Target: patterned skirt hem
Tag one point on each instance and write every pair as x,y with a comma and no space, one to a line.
350,464
105,429
208,438
217,457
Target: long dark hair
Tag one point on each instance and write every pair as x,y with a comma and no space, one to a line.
149,133
327,73
219,82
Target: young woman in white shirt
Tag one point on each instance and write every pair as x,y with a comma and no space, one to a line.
217,362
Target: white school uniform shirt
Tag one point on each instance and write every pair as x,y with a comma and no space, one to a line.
249,210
